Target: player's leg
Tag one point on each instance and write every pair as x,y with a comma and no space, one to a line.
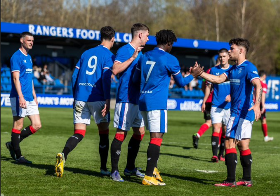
156,122
15,137
264,128
215,141
216,116
81,115
245,132
231,153
133,149
103,129
222,143
204,127
246,162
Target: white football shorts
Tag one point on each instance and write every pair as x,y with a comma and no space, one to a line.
127,115
155,120
220,115
239,128
84,110
31,108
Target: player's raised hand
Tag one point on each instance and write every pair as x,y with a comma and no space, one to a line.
136,52
257,111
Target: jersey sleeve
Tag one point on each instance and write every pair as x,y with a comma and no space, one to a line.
226,73
209,71
15,64
109,62
252,72
173,65
122,55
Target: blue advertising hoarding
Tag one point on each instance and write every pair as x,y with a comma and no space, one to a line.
87,34
66,101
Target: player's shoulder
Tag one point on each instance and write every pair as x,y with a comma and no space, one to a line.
126,47
250,66
17,54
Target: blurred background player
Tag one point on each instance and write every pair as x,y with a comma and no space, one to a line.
91,87
23,98
243,78
127,112
206,109
220,108
156,68
262,75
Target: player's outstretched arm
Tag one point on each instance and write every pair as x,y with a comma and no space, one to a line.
22,102
180,81
119,67
256,107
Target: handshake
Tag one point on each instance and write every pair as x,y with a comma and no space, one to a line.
196,70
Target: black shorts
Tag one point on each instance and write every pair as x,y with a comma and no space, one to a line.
263,116
207,112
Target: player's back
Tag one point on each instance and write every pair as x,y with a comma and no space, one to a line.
92,64
156,69
222,90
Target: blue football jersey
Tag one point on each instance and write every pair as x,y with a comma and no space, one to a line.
22,63
92,67
220,90
241,89
127,91
156,68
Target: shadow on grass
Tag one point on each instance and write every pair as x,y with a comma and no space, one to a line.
172,145
50,168
190,178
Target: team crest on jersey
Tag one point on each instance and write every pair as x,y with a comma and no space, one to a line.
239,71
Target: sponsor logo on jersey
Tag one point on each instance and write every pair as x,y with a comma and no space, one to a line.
87,84
146,92
28,70
24,61
235,81
217,74
255,72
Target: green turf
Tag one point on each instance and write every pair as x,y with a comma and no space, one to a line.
178,161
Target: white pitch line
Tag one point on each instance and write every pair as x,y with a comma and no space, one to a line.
206,171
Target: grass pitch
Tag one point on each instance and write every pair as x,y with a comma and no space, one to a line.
185,170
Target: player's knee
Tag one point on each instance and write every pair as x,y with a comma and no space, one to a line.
120,136
37,126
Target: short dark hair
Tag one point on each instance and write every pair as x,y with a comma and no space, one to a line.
23,34
262,73
223,50
138,27
240,42
165,36
107,33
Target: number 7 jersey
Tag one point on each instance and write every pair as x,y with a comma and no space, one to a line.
156,68
94,67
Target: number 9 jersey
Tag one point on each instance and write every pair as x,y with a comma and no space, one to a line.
94,77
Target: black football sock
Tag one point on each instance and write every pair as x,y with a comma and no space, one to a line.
133,149
15,139
215,143
71,143
26,132
115,154
103,149
152,158
246,162
222,146
231,162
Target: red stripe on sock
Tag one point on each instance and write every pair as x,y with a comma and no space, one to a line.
202,129
215,134
138,137
245,152
231,150
104,132
16,131
32,129
156,141
81,132
120,137
264,129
